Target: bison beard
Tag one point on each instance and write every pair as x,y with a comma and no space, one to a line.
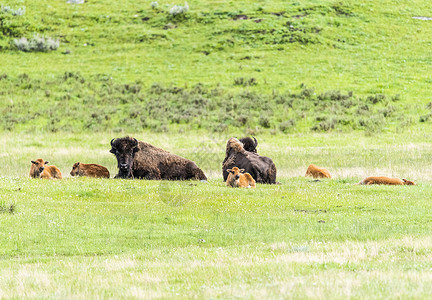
141,160
261,168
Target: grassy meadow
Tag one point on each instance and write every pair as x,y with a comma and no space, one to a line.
341,84
90,238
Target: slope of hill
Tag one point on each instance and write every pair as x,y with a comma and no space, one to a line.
263,66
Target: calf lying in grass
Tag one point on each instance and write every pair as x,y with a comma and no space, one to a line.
237,179
386,180
39,170
90,170
317,172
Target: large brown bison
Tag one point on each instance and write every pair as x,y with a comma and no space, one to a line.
137,159
90,170
262,168
39,170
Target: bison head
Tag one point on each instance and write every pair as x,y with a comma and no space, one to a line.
408,182
234,176
235,172
124,149
75,169
249,144
37,167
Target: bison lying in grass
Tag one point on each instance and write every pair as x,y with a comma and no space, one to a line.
90,170
39,170
237,179
142,160
317,172
261,168
386,180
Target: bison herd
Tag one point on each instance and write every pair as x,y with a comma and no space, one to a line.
242,166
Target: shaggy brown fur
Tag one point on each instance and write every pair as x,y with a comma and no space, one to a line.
142,160
261,168
235,145
39,170
237,179
90,170
386,180
317,172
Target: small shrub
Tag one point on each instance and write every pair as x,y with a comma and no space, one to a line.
325,125
154,5
363,110
75,1
287,125
242,120
372,124
284,99
345,121
7,207
14,12
376,98
245,81
264,121
36,44
177,10
425,118
396,98
387,111
334,95
306,92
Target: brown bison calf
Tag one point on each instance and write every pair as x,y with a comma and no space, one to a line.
90,170
39,170
317,172
237,179
386,180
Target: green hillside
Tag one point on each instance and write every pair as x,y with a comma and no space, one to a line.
278,66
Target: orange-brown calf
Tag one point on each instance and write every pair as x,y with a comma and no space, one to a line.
237,179
90,170
39,170
317,172
385,180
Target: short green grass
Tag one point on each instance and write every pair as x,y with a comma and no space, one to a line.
116,238
91,238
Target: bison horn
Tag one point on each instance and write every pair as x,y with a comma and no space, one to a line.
256,142
136,142
112,142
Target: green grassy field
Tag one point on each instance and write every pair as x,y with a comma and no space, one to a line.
91,238
342,84
119,239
